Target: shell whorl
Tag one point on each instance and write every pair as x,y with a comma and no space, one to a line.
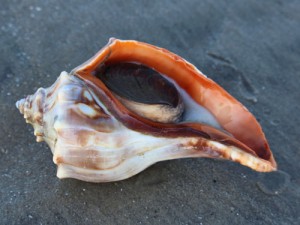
66,105
32,107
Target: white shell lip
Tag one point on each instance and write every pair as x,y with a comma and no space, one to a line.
89,142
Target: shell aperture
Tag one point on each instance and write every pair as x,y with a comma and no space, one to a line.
143,90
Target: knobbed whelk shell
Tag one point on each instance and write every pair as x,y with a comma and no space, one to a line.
134,104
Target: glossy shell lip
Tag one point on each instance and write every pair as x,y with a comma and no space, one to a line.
230,113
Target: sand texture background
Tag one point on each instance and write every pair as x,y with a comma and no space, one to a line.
251,48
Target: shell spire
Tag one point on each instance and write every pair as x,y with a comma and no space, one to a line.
32,108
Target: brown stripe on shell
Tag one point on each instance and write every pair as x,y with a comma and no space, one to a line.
86,137
100,122
90,159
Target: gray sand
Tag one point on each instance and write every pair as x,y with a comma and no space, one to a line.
251,48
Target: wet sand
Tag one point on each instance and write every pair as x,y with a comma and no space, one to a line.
251,48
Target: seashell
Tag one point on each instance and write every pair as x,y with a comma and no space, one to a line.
134,104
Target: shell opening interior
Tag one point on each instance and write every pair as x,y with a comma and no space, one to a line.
205,102
138,83
151,94
194,112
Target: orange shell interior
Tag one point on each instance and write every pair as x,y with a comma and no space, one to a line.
229,112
